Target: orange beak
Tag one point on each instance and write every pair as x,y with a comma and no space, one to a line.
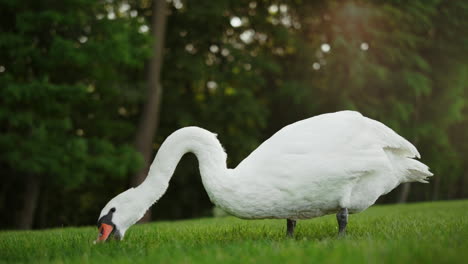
104,231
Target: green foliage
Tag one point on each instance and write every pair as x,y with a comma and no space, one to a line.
416,233
61,88
74,75
212,79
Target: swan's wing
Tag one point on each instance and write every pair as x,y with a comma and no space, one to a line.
387,138
331,146
334,160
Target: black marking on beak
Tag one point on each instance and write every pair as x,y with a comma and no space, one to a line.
107,219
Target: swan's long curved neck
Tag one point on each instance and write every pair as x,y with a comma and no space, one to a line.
211,158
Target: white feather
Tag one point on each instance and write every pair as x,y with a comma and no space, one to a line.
307,169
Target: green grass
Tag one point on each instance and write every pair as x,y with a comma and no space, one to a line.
414,233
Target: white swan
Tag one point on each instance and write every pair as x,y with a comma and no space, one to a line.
331,163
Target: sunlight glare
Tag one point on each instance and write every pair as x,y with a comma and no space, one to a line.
225,52
212,85
316,66
283,8
83,39
178,4
143,29
325,47
247,36
111,15
236,22
364,46
214,48
273,9
124,7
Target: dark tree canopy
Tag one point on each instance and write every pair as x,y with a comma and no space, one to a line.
73,75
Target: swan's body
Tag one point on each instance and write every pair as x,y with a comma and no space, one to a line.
310,168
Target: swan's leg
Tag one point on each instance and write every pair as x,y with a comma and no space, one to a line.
290,224
342,217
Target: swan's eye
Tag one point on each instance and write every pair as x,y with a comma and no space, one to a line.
113,209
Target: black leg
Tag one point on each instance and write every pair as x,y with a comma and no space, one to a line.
342,218
290,224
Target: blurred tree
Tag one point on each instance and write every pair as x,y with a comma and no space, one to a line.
148,124
445,110
62,106
393,61
215,77
72,80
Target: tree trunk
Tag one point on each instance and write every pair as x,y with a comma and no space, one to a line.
150,117
25,217
404,193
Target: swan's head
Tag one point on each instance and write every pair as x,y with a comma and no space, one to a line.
119,214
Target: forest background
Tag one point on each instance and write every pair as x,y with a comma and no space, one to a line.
90,89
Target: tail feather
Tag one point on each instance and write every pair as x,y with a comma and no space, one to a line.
416,171
391,140
401,153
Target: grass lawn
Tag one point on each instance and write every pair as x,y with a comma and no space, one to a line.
414,233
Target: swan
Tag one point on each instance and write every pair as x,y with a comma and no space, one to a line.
331,163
